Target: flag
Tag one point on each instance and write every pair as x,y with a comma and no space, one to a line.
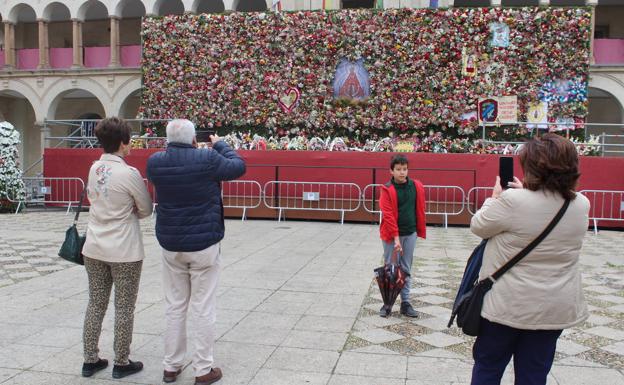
379,4
433,3
277,6
327,4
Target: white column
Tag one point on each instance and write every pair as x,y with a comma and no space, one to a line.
592,59
44,45
9,45
77,43
544,3
114,42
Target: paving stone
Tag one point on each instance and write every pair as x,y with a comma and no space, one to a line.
617,348
287,377
378,336
427,290
586,375
570,348
374,349
434,323
17,266
439,340
600,289
378,321
599,320
437,311
611,298
302,360
315,340
606,332
434,299
28,274
325,323
374,365
340,379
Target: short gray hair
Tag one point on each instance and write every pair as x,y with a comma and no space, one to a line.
181,131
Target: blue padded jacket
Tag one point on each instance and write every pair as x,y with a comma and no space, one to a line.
188,190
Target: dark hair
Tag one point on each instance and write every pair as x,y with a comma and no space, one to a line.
111,132
550,163
397,159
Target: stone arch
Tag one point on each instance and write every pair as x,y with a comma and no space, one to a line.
90,9
123,93
17,108
22,12
24,90
129,8
57,92
168,7
250,5
609,84
56,11
208,6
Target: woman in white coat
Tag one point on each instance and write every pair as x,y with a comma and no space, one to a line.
113,250
528,307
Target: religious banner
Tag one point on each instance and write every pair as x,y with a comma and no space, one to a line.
351,81
537,113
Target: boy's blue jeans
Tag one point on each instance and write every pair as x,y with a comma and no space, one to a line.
408,243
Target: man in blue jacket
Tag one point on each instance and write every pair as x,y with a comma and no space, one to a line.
189,227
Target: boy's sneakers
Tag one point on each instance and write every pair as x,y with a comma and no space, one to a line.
407,310
385,311
121,371
89,369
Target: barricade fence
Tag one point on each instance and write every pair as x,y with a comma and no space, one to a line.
439,200
605,205
313,196
49,191
476,196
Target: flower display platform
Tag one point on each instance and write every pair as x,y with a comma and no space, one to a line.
361,168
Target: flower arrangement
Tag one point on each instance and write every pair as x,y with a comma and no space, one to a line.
237,70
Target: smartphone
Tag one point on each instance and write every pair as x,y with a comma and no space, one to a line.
505,170
203,136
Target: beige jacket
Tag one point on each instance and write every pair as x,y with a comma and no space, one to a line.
119,198
542,291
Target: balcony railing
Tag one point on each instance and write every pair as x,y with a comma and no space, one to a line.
609,51
27,58
61,57
94,57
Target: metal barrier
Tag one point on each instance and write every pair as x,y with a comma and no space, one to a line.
41,190
445,201
605,205
476,196
439,200
370,197
241,194
316,196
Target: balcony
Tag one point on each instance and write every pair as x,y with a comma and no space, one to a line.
609,51
62,58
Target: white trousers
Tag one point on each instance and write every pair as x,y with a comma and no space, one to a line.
191,278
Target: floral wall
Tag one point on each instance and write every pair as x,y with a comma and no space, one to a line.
427,70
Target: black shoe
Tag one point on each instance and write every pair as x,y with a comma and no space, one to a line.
384,311
407,310
121,371
90,369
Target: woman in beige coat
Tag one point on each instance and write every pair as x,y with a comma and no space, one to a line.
527,308
114,248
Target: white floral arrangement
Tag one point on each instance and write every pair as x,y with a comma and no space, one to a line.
338,144
317,144
384,145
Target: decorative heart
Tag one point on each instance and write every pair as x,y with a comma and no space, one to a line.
289,100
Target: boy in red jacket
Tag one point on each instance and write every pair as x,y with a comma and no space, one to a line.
402,203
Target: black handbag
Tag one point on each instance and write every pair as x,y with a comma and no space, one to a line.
468,310
71,250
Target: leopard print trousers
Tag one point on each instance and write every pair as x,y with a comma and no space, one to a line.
102,276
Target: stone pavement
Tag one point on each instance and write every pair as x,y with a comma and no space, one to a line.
296,305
